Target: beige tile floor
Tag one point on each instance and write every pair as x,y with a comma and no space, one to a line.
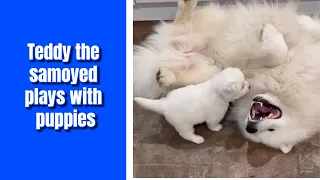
160,152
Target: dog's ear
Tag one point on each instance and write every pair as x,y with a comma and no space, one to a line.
231,87
186,44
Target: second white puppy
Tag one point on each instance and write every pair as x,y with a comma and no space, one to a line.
206,102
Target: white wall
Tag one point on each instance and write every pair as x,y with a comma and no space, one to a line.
146,10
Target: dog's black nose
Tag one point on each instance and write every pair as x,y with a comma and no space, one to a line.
251,130
249,87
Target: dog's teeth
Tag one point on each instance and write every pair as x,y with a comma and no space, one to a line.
260,118
260,104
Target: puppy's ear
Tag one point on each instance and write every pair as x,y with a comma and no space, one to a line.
186,44
231,87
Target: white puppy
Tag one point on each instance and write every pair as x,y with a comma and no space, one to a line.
194,104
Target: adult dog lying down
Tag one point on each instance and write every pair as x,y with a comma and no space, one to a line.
281,109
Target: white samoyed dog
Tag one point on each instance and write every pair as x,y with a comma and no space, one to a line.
277,49
205,102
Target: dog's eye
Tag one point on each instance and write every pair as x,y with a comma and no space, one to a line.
271,129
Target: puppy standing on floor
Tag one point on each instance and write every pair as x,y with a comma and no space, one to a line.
206,102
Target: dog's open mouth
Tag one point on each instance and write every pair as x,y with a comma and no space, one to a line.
262,109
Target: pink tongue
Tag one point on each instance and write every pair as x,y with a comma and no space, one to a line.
262,109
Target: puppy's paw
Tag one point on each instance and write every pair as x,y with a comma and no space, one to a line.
286,148
215,128
198,139
165,77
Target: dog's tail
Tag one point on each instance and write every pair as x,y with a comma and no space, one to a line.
153,105
184,10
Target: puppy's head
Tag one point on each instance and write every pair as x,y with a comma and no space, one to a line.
233,83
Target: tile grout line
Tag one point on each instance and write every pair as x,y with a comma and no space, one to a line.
144,118
138,137
140,128
137,142
298,165
211,157
165,164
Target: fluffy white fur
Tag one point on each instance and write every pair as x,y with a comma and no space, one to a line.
194,104
178,54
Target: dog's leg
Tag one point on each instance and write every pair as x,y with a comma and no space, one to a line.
192,67
171,72
273,44
199,73
310,25
184,10
306,22
187,132
166,77
186,74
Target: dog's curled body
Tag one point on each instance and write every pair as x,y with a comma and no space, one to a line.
230,37
213,34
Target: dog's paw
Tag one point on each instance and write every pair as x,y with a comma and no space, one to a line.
286,148
165,77
306,22
269,33
190,3
272,43
215,128
198,139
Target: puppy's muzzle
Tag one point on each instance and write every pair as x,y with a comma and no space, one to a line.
251,127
